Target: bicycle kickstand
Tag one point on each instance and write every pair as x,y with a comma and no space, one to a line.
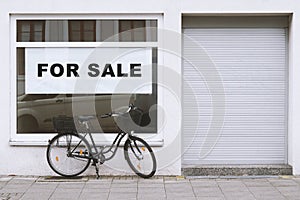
97,169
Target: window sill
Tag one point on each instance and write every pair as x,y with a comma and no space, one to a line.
154,142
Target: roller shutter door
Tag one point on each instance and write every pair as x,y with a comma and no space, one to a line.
252,63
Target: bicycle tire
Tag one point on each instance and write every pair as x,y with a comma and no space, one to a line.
134,145
61,162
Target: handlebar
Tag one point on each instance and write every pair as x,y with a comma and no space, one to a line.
116,114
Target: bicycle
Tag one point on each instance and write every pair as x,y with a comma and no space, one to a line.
69,153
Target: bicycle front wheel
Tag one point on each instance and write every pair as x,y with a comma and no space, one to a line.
68,154
140,157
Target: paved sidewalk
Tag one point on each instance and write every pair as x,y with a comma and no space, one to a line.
156,188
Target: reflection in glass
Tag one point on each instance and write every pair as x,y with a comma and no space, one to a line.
30,30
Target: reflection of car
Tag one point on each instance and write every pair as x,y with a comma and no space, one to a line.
35,112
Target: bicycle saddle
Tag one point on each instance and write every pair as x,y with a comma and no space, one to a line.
86,118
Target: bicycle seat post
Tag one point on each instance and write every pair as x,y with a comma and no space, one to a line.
86,124
131,133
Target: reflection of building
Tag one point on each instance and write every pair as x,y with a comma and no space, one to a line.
249,48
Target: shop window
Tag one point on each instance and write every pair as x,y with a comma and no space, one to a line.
35,112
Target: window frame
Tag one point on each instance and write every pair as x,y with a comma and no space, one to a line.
41,139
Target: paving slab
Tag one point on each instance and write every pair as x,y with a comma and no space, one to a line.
123,190
180,195
114,196
151,190
147,197
203,183
152,181
283,182
97,185
37,196
293,197
239,195
257,183
210,198
151,185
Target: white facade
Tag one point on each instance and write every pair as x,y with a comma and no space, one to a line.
25,155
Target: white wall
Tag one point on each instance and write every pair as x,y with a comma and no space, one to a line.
31,160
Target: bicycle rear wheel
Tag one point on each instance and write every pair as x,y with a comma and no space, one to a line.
140,157
68,154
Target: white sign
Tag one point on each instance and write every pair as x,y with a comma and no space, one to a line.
88,70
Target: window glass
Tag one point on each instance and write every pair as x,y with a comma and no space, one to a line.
86,30
31,31
82,30
125,27
35,112
139,32
20,61
132,30
56,31
108,31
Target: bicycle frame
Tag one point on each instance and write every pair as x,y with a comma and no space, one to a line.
116,141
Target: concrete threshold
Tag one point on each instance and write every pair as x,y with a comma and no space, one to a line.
236,170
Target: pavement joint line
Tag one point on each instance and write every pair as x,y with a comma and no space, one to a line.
53,191
109,191
82,189
248,190
5,184
27,189
137,190
164,184
221,190
193,189
279,191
